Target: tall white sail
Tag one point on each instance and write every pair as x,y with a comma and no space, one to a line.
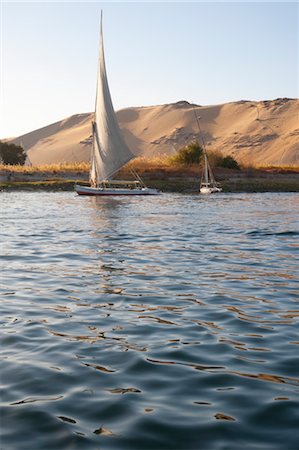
110,152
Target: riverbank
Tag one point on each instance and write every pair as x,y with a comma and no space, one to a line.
167,178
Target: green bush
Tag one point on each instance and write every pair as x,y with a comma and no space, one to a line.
191,154
12,154
229,163
216,159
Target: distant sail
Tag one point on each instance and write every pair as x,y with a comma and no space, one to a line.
110,150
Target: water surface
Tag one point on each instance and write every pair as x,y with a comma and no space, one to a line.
166,322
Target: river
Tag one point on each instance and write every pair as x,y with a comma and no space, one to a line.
166,322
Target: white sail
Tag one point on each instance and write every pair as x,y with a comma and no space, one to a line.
110,151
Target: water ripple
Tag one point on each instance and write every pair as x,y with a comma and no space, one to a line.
167,323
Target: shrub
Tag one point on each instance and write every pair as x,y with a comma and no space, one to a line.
229,163
12,154
191,154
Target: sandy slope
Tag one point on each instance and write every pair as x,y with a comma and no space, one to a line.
259,133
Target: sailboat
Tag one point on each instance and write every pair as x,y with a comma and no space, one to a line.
208,184
109,151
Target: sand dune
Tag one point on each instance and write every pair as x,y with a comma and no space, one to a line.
258,133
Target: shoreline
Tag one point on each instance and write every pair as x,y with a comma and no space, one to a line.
178,185
181,179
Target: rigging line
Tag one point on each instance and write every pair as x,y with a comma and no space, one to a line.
134,172
199,128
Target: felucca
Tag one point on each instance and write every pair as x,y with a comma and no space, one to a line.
109,150
208,184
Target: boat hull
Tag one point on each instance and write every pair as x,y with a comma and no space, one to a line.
87,190
210,190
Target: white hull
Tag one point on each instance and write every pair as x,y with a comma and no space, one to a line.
87,190
209,190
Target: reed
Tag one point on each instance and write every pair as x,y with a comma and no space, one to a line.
282,168
52,168
144,163
160,165
270,167
141,164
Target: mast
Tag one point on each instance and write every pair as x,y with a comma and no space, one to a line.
206,169
207,176
93,177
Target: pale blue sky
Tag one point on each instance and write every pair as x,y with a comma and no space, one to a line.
156,53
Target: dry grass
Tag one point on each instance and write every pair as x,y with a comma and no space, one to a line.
270,168
159,165
141,165
53,168
279,168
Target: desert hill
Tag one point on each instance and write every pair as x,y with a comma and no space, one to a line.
255,133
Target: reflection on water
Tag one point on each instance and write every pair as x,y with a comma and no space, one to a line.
167,323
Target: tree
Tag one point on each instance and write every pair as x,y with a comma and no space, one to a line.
191,154
12,154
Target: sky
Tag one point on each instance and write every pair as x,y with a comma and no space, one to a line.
156,52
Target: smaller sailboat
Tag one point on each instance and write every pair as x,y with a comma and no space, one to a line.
208,184
109,149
